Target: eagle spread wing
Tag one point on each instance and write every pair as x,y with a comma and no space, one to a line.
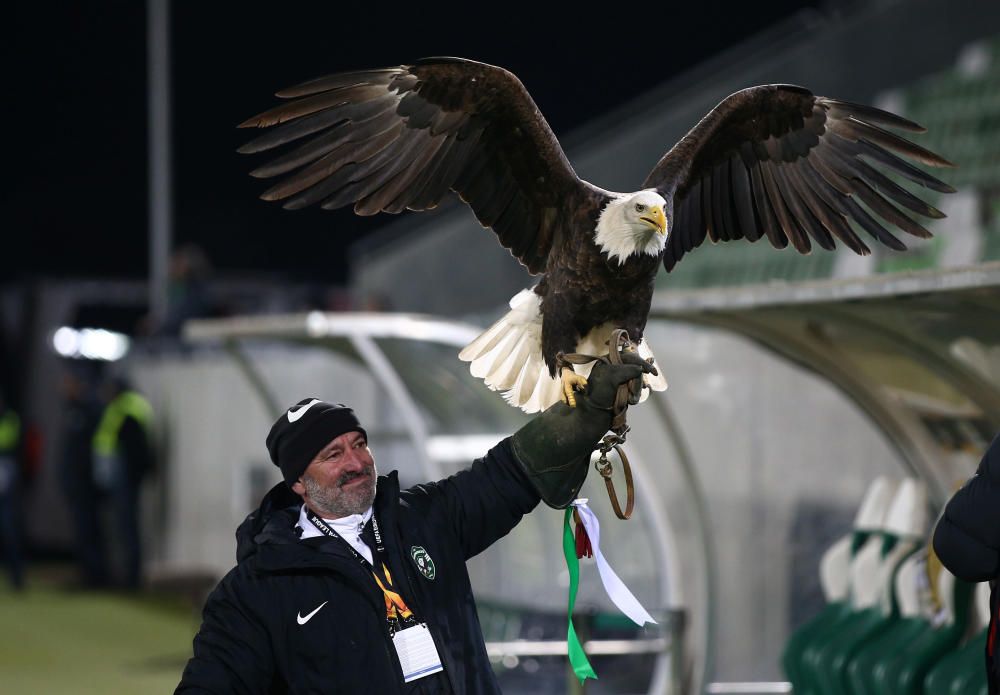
400,138
779,162
772,161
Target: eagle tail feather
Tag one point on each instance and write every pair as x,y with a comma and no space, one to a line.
484,365
508,356
485,342
531,405
528,380
510,395
505,376
546,392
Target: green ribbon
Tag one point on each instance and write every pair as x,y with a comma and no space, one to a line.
577,657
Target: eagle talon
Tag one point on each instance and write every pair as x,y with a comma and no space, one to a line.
571,382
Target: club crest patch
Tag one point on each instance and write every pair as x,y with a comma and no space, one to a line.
423,562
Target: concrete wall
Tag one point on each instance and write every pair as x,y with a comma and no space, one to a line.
775,448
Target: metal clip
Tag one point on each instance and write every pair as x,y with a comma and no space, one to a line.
604,467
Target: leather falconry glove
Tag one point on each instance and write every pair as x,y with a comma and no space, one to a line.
554,449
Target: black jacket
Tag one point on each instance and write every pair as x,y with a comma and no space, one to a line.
967,540
251,641
136,450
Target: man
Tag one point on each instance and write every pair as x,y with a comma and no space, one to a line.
10,480
967,540
81,413
122,456
347,584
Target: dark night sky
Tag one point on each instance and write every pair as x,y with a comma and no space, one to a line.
77,102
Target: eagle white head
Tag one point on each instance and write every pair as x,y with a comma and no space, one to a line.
632,223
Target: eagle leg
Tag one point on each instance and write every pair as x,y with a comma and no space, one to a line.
571,382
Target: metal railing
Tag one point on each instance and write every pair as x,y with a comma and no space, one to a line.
667,678
750,688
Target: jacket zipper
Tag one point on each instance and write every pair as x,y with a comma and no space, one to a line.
412,581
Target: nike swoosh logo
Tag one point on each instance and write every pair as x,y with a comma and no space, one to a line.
293,416
303,621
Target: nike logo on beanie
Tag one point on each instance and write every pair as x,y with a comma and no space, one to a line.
294,439
295,415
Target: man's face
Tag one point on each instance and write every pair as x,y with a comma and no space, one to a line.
340,480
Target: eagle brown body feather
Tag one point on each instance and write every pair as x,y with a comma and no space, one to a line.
581,290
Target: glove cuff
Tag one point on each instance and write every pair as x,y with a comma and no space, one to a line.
554,449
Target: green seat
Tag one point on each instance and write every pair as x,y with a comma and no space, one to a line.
905,673
863,673
899,659
805,641
817,653
829,665
795,649
832,661
961,672
811,672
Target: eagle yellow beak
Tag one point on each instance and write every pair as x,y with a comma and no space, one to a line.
656,219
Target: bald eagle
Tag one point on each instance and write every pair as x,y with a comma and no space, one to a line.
771,161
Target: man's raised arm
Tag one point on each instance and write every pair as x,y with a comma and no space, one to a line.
546,459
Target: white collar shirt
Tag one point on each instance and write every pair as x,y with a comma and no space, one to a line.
348,528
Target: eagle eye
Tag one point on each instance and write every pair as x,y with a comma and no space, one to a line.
639,207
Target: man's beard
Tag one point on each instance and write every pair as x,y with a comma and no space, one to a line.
336,502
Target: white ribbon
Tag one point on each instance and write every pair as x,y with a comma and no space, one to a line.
615,587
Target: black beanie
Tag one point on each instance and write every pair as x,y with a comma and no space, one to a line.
307,427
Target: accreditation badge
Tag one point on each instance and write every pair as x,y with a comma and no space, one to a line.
416,651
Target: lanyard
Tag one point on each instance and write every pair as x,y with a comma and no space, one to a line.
395,608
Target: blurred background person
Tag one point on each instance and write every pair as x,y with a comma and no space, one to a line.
82,411
10,527
188,274
123,456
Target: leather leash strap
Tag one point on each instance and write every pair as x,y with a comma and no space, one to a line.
603,466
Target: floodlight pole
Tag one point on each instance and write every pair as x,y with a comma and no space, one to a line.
160,189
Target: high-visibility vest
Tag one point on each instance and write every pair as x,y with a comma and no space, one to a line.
126,404
10,432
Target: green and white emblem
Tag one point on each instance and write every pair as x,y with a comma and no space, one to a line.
423,561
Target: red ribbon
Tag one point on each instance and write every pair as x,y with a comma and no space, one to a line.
582,539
